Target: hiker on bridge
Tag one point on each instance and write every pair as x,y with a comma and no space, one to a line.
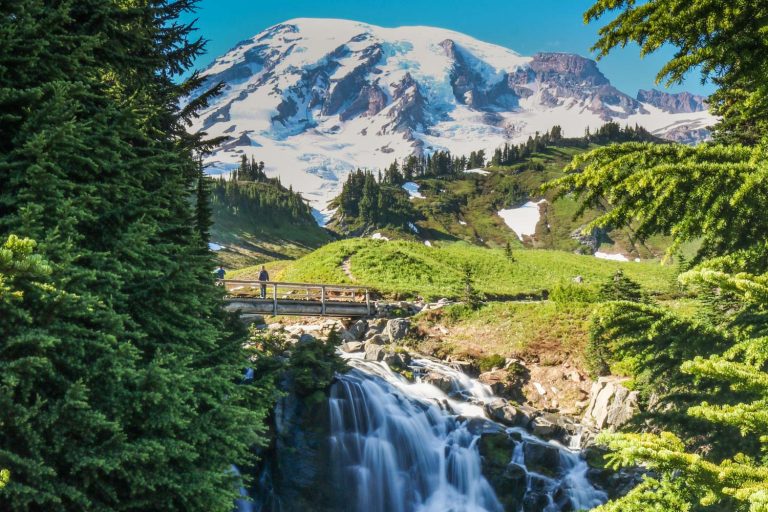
263,277
219,273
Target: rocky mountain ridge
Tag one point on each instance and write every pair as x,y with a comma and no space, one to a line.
319,98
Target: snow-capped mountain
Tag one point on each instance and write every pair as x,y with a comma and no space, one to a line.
316,98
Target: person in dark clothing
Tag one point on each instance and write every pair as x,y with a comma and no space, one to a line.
263,277
220,272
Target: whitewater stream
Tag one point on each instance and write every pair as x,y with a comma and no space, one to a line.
401,446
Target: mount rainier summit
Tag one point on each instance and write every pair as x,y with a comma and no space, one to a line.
317,98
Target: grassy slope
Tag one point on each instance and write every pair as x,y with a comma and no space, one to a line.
249,241
476,198
546,332
406,268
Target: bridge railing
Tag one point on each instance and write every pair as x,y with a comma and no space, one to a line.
273,291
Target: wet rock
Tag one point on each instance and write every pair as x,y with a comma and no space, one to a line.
358,329
467,368
545,426
502,411
397,359
397,329
542,458
352,346
535,502
440,381
374,352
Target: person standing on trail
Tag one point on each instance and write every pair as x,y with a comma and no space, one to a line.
219,272
263,277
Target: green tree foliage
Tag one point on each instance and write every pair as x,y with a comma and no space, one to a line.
264,203
725,40
365,202
621,287
714,193
118,372
711,369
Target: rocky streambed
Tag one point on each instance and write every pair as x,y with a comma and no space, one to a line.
404,432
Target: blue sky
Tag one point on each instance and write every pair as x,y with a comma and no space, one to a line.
524,26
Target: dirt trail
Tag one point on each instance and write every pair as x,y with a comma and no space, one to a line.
346,266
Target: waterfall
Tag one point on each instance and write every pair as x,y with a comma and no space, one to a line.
402,446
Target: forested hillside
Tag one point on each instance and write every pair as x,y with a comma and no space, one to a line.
452,198
256,219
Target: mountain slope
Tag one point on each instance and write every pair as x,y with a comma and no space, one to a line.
322,97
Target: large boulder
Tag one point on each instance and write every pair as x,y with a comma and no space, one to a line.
502,411
507,479
397,329
542,458
352,346
546,426
358,329
611,405
397,359
439,380
374,352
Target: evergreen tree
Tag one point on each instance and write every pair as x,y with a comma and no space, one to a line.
508,252
118,371
620,287
715,192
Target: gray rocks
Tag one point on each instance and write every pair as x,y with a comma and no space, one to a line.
397,359
440,381
376,339
374,352
504,383
351,346
542,458
502,411
358,329
545,426
611,405
307,338
397,329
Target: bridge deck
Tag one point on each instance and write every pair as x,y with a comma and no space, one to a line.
297,299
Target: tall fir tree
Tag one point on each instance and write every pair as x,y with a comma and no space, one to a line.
118,365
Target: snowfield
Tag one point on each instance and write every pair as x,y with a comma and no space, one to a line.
609,256
413,190
523,220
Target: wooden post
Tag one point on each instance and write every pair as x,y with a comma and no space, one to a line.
274,298
368,302
322,299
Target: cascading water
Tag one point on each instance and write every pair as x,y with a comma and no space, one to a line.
407,447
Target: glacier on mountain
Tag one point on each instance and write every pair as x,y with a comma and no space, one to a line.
316,98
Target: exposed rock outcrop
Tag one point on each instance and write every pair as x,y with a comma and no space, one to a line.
611,405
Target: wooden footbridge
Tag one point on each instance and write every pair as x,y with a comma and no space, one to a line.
296,299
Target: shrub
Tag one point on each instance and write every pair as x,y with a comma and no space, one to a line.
488,363
568,293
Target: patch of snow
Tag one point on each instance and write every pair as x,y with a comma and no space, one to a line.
609,256
522,220
413,190
413,227
214,246
462,223
427,243
477,171
379,236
